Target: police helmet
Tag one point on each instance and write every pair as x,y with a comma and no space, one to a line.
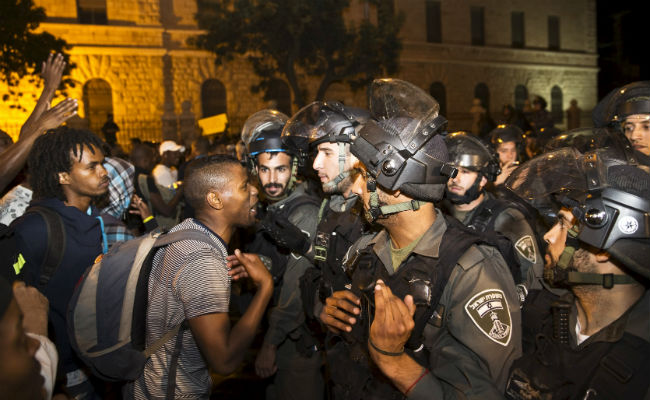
506,133
319,122
262,133
468,151
401,146
609,197
631,99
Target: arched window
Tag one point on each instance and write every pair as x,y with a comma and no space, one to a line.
521,94
213,98
279,94
437,91
482,93
557,112
98,103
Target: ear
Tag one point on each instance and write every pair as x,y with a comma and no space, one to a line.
64,178
602,256
483,182
214,200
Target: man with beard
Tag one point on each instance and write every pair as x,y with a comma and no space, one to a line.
287,351
593,342
456,332
70,174
469,202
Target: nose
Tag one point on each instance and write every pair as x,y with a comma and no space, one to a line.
550,237
254,191
317,162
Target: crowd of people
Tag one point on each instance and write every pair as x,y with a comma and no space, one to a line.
375,253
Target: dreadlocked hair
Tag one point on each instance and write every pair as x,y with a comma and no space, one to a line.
52,153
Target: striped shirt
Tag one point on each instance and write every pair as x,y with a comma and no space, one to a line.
188,279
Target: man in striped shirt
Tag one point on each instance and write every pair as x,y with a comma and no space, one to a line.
190,281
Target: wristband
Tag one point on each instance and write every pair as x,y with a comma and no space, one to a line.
424,373
384,352
149,218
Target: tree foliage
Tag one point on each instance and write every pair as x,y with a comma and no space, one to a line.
290,39
23,50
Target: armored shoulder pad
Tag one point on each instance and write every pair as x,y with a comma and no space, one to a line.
476,254
355,248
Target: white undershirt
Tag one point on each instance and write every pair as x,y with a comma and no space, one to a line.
579,336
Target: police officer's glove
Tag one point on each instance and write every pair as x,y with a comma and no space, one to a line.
286,234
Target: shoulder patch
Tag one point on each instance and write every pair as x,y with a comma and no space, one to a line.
490,313
525,246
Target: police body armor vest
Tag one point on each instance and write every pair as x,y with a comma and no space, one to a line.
550,369
263,244
354,374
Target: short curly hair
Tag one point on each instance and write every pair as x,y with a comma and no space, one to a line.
52,153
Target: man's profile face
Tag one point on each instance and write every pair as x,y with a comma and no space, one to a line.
637,129
87,176
556,237
20,376
464,179
239,198
507,153
274,171
326,164
360,188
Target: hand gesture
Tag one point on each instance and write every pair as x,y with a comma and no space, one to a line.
139,207
393,321
52,70
265,362
339,311
58,114
245,265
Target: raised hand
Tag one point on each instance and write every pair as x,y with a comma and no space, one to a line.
244,265
52,70
393,321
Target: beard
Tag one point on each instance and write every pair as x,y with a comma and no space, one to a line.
274,185
471,194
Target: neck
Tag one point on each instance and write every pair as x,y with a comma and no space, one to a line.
79,202
471,205
407,226
216,225
598,307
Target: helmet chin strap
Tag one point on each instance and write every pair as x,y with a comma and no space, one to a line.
565,275
332,185
376,211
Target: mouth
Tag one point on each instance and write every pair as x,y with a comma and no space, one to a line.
323,178
456,189
253,210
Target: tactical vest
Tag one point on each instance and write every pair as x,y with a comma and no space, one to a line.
353,373
551,369
264,245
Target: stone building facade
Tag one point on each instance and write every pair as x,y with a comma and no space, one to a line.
132,60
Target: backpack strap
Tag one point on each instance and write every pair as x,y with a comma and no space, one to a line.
56,241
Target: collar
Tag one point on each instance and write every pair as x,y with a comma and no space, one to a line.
428,246
204,226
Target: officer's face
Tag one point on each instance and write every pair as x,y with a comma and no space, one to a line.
463,181
637,130
556,237
360,188
274,171
326,164
507,153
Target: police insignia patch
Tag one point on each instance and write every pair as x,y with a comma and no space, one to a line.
490,313
525,246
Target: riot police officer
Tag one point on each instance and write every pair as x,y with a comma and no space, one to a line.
288,349
468,201
457,330
593,342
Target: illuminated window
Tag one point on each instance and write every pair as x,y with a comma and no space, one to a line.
478,25
98,103
557,112
213,98
437,91
434,22
482,93
92,12
521,94
517,28
553,32
279,94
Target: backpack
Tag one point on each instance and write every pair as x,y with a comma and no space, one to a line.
107,313
56,241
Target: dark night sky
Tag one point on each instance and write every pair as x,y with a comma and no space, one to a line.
622,43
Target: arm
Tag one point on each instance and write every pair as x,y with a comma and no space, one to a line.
164,208
223,347
13,159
